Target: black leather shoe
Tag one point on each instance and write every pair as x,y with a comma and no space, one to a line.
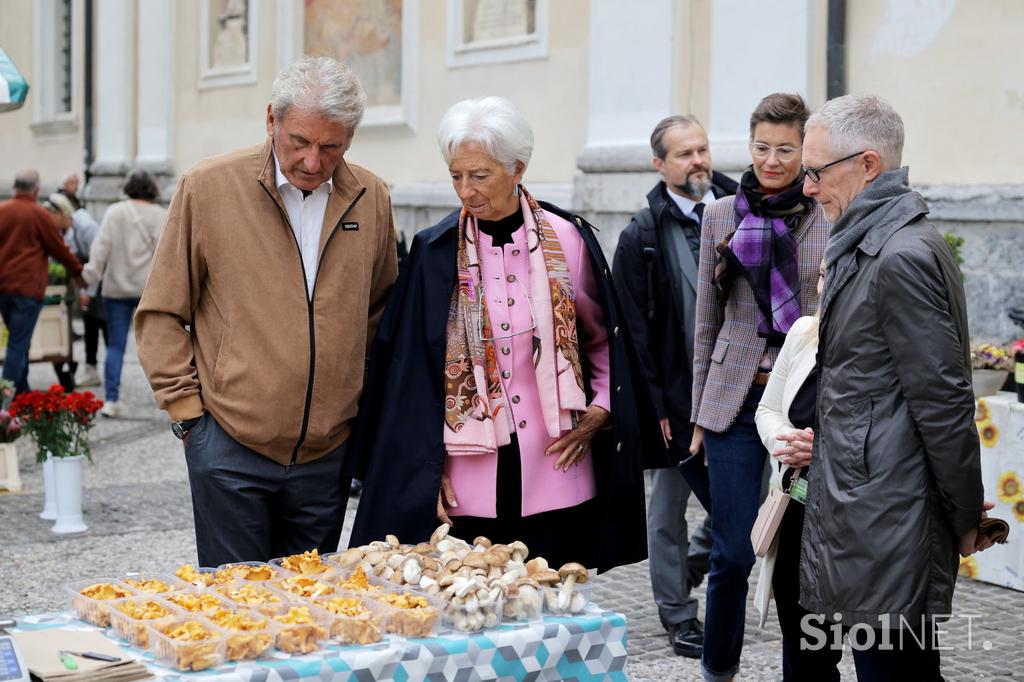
687,638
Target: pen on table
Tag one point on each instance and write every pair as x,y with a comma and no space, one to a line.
65,658
95,656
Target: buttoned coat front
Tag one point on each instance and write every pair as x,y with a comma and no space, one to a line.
727,349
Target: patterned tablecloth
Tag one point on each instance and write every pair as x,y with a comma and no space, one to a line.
1000,421
591,646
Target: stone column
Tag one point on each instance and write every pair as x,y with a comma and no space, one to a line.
155,92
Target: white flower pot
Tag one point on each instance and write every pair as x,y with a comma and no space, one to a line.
10,477
49,512
68,475
987,381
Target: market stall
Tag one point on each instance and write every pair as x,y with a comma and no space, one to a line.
1000,420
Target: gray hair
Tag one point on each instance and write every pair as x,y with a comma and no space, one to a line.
666,124
861,122
320,84
26,181
491,122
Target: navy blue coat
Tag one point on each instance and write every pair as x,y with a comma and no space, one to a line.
397,448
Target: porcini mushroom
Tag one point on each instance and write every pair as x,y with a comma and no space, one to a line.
571,573
519,551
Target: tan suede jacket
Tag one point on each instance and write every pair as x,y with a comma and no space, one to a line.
225,316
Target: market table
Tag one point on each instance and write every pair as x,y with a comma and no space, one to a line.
1000,420
591,646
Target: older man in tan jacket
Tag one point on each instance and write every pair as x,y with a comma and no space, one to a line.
266,289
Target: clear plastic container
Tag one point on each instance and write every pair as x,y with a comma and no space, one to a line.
300,629
190,653
473,613
196,600
91,598
253,596
250,571
129,617
354,620
304,564
409,613
356,581
559,602
303,587
523,606
153,583
195,576
249,632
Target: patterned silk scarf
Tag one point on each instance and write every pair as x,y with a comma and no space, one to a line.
476,415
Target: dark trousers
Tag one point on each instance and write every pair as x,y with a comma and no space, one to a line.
20,314
677,562
736,461
249,508
798,665
907,660
93,327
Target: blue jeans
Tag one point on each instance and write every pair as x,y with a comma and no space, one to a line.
119,321
736,461
20,314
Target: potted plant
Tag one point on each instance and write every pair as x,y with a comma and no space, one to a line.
990,365
10,430
59,423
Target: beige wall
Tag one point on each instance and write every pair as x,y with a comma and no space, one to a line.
53,154
551,93
957,79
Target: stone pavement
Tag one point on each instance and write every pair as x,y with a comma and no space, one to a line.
138,508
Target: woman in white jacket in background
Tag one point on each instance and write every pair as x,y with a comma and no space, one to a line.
121,256
785,421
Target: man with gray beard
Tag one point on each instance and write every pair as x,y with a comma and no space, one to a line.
655,270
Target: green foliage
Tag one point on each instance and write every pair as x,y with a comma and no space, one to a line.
57,274
955,242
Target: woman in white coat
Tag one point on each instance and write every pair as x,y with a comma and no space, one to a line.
785,420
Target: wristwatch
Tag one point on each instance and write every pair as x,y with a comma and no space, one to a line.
181,429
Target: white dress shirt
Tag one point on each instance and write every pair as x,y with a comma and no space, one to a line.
686,204
306,214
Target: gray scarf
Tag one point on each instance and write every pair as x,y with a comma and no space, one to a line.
880,204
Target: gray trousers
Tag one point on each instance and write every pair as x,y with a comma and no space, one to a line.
677,564
249,508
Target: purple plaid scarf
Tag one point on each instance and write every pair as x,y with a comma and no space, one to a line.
764,249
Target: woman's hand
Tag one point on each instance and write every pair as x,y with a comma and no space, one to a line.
797,451
572,447
445,499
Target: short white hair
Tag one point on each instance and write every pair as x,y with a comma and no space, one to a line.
491,122
319,84
860,122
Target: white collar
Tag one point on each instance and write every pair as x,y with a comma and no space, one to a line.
282,181
686,204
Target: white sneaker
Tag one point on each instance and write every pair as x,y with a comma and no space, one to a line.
88,376
112,409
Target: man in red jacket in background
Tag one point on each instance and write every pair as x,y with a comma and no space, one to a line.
28,237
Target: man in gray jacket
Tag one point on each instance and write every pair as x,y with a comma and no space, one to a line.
896,487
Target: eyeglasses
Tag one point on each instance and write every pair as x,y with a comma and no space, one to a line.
480,316
760,150
815,173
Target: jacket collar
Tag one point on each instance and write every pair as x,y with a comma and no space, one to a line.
907,209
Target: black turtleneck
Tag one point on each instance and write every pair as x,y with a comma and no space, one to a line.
501,231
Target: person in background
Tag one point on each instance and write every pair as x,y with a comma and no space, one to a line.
29,236
61,210
121,257
69,187
655,272
501,399
84,229
760,253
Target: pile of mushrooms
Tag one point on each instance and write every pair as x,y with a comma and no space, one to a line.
473,579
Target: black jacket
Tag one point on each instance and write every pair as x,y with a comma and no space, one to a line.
397,448
664,343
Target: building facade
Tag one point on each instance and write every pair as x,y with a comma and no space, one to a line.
163,84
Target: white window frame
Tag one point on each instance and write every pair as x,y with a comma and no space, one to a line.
503,50
46,120
243,74
290,47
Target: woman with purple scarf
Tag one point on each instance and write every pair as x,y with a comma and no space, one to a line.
760,253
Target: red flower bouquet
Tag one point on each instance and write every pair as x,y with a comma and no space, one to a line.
58,422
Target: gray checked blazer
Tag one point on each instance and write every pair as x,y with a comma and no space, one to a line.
726,347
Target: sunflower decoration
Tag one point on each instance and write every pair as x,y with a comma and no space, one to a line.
989,433
1018,510
981,415
968,567
1009,487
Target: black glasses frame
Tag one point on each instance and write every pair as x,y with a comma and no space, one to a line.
815,173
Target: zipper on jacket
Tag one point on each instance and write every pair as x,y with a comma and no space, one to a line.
303,430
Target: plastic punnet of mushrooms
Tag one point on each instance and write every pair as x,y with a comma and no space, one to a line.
571,573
